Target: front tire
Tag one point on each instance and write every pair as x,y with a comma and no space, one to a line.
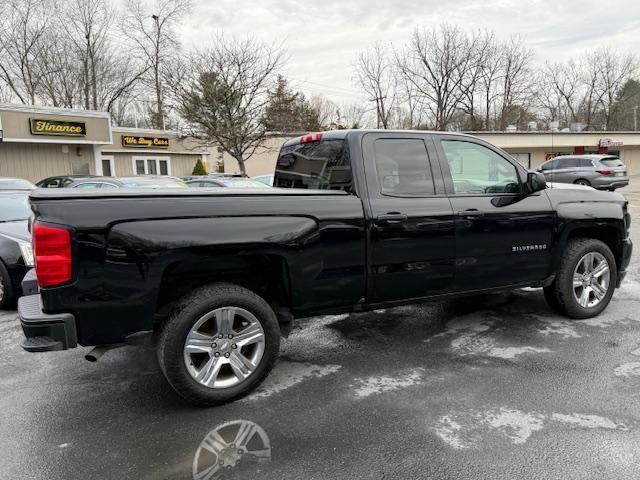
586,279
219,343
7,297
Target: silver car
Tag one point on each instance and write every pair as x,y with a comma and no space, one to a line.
598,171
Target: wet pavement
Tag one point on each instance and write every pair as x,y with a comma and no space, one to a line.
495,386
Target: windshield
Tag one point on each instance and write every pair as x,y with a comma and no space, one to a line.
14,207
319,165
15,184
612,162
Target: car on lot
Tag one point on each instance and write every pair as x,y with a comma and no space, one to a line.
16,254
62,181
15,184
226,182
363,220
598,171
140,181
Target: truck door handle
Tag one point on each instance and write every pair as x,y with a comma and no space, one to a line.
471,212
392,218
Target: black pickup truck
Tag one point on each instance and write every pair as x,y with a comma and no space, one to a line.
360,220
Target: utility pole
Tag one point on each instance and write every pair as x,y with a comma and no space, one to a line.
635,118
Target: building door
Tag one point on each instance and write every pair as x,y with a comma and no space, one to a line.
108,167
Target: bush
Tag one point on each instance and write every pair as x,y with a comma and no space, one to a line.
199,168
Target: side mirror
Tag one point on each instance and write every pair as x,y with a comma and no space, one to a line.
535,182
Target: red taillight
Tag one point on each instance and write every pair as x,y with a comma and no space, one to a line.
312,137
604,172
52,252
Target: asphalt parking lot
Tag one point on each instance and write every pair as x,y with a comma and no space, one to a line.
489,387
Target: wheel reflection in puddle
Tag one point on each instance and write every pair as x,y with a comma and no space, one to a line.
229,445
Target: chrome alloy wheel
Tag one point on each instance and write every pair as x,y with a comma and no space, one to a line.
1,289
224,347
591,279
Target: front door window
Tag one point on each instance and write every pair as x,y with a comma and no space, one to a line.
477,170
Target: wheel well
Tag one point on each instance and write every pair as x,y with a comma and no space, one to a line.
266,275
609,235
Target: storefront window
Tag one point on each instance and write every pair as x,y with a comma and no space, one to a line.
152,166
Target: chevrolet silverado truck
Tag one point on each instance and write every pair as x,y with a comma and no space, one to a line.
359,220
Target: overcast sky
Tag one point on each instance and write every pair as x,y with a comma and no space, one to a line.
322,38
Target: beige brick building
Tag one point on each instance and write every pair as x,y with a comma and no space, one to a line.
39,142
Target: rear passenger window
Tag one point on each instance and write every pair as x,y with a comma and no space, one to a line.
403,167
585,163
569,163
321,165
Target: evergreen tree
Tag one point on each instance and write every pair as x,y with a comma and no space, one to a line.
199,169
289,111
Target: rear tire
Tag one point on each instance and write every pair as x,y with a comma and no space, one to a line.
205,375
583,181
578,292
7,296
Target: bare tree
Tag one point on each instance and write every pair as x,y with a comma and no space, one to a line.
517,85
23,27
225,101
376,76
87,24
154,38
615,69
351,115
481,48
561,91
325,111
438,62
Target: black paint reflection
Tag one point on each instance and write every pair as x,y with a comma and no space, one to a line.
229,446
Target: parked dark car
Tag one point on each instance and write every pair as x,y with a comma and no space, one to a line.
598,171
62,181
15,184
16,254
375,219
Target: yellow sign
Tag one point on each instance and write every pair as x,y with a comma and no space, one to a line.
145,142
57,127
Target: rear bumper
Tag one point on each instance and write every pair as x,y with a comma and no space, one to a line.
614,182
627,249
45,332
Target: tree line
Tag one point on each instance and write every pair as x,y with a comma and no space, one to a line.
231,92
444,78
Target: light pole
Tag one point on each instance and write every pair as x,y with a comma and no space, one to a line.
160,103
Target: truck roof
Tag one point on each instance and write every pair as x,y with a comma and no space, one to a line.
342,134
